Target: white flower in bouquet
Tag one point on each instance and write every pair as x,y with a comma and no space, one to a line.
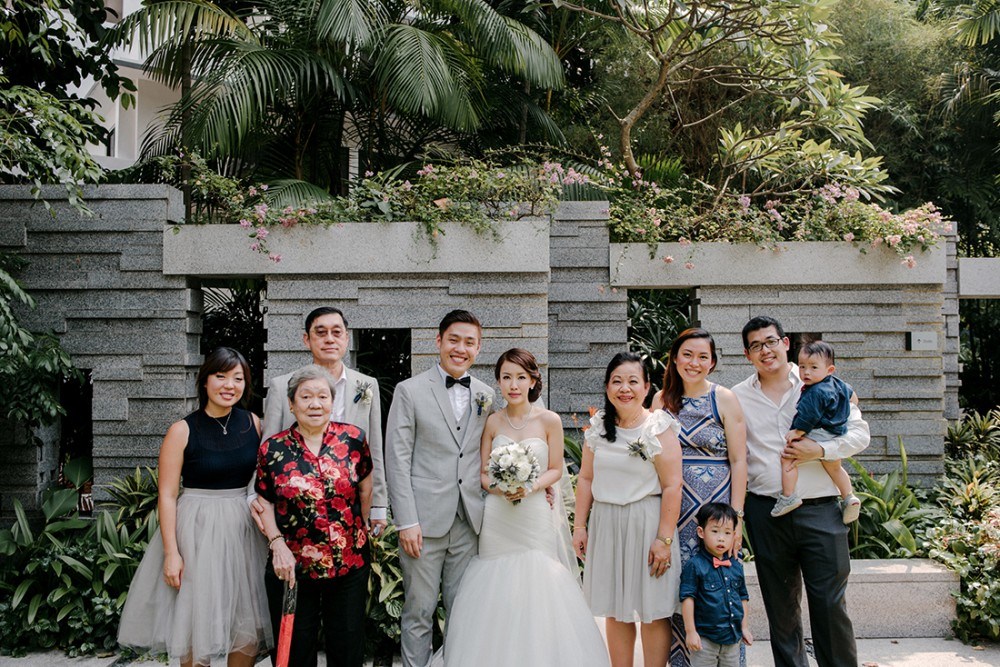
513,467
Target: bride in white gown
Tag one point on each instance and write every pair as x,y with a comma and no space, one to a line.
520,602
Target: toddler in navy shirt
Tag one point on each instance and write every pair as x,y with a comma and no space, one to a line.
821,414
714,592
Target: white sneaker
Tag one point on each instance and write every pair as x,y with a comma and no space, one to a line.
852,508
786,504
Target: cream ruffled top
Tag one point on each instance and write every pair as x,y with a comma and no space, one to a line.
623,469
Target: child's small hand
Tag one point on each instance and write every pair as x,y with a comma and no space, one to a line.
747,635
693,641
793,435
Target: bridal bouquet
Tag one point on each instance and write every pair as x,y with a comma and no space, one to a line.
513,467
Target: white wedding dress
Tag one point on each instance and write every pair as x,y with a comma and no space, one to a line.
518,604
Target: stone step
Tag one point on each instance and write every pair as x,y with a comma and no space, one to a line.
885,598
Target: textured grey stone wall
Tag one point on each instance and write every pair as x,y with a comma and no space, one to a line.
588,319
949,352
901,392
511,307
99,285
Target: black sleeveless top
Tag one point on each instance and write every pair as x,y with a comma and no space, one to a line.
217,460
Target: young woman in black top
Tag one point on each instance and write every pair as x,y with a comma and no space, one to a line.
198,594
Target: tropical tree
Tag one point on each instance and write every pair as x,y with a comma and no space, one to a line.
274,85
46,48
791,120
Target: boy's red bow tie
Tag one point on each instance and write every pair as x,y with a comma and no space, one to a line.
717,562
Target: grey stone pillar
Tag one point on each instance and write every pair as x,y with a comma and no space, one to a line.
99,285
588,319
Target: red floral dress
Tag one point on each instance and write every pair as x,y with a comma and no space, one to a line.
317,500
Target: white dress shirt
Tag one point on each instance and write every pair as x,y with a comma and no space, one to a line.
767,425
339,396
460,396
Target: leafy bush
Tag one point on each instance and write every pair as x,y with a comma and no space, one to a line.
974,434
966,538
891,514
473,193
642,211
64,586
385,595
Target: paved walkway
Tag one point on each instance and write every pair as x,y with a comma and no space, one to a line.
871,653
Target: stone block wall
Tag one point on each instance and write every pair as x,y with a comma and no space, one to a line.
901,392
99,285
121,289
588,318
512,308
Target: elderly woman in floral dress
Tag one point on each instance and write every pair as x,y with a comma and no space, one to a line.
316,479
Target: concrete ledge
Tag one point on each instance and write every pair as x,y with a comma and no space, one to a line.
740,264
357,248
979,278
885,598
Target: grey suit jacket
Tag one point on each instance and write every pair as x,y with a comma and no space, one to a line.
368,417
431,465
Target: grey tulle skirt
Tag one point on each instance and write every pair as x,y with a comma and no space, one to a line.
221,606
616,579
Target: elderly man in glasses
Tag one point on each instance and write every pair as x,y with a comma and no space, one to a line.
810,544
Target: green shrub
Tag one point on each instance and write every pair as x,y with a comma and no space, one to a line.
891,514
64,586
974,434
966,538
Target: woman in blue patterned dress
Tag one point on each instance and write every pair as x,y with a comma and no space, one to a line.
713,445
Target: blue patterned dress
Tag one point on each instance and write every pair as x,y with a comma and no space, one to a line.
707,479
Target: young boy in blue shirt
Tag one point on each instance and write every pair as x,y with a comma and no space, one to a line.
714,592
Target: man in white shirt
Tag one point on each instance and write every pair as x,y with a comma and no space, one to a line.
356,398
809,544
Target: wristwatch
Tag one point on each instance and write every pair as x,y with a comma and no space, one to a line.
739,513
666,540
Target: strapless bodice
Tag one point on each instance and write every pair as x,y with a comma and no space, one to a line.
538,447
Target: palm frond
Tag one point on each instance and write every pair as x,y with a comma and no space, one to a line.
979,23
174,22
293,192
351,22
413,71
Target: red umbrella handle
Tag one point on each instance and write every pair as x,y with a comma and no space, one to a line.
287,623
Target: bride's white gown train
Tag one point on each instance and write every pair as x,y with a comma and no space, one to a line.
518,604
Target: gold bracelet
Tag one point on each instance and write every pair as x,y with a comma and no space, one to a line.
274,539
666,540
575,526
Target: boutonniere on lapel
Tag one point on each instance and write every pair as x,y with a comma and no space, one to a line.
364,392
483,402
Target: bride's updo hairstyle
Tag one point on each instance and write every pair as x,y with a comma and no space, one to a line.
610,414
527,361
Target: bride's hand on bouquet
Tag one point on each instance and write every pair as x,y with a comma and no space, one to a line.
580,542
284,562
520,494
659,559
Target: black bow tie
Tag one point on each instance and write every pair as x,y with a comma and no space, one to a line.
450,382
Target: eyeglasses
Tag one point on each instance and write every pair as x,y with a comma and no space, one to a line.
769,343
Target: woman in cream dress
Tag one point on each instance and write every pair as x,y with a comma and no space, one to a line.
630,486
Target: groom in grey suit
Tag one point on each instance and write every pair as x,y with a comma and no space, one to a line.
433,471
